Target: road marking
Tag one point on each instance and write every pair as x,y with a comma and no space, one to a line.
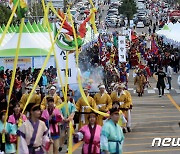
151,127
173,102
151,91
157,131
151,113
76,146
156,117
148,137
127,145
177,91
166,91
156,121
163,150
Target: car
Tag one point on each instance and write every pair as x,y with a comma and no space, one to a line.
147,22
114,11
82,9
140,24
73,11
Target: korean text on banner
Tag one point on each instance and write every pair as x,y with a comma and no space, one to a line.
122,48
72,70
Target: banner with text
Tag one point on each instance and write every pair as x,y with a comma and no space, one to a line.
72,70
122,48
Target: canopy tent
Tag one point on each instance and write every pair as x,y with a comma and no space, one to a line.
35,40
29,46
170,34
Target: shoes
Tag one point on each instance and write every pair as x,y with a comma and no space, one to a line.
60,149
128,129
124,131
160,95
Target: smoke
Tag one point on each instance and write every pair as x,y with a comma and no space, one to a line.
92,73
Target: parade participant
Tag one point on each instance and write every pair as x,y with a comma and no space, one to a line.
169,75
14,118
160,82
68,112
52,93
52,116
90,134
6,146
84,109
124,100
140,81
135,71
112,137
129,105
35,99
103,102
122,120
33,134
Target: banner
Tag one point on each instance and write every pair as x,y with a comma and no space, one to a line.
122,48
23,63
72,70
38,62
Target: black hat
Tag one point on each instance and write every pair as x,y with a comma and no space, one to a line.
92,113
114,110
36,107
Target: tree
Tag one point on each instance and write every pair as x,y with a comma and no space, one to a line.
5,13
36,11
128,9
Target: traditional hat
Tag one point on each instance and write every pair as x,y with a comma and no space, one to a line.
35,107
114,110
37,88
53,87
120,86
29,86
101,86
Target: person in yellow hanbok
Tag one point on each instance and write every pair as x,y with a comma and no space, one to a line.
35,99
84,109
103,102
129,106
120,96
52,93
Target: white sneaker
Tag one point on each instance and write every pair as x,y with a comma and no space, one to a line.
160,95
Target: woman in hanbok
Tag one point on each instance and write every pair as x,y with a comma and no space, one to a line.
14,118
5,145
52,117
33,134
90,134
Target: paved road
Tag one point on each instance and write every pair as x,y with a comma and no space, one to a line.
152,117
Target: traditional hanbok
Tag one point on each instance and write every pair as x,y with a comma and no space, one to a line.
33,137
71,109
91,137
104,103
13,119
112,138
52,124
82,107
10,129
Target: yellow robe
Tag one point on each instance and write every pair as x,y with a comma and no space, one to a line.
122,98
81,106
34,99
104,103
57,101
